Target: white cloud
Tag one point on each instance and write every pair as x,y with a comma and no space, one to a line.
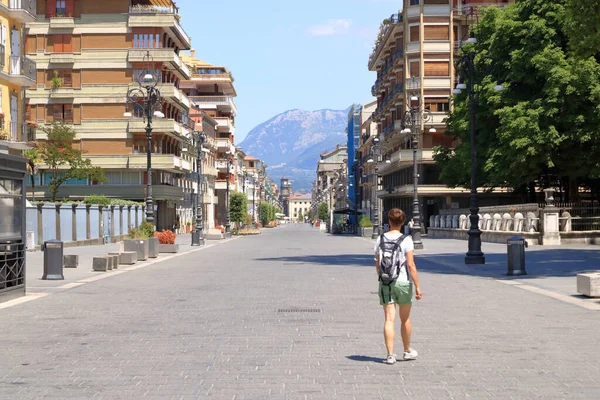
332,27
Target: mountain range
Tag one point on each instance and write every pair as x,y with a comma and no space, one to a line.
290,143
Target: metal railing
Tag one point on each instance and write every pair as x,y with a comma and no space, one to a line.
474,9
25,5
12,266
152,9
578,217
388,24
21,65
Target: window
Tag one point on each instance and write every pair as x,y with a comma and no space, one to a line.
62,43
61,8
414,33
436,32
443,106
414,2
146,41
63,113
437,68
66,77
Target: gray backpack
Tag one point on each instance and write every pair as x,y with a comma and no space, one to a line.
389,262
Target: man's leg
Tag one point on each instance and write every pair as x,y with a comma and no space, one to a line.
405,328
388,327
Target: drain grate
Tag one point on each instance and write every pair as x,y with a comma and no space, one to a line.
299,310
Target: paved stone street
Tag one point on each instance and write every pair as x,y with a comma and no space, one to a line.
294,314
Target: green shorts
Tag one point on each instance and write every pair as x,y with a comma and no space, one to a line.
397,292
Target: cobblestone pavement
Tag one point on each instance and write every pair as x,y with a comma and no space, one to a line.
294,314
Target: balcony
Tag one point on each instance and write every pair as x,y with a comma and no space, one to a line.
164,55
62,23
62,93
62,58
224,124
223,103
165,162
165,125
474,9
148,15
22,71
225,145
388,25
20,10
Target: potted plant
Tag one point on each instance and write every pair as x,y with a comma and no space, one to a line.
56,80
166,242
366,226
3,135
188,227
142,241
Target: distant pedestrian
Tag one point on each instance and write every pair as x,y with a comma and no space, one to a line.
410,225
395,265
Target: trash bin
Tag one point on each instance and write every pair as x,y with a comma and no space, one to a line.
516,255
53,260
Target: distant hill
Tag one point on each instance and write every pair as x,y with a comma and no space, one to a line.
291,142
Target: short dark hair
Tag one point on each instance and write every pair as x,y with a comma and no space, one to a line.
396,217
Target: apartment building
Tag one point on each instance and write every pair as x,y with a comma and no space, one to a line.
299,207
89,54
17,72
211,89
331,179
367,187
254,174
421,42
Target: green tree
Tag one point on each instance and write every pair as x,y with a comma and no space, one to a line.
264,213
64,161
34,159
582,22
542,129
300,216
323,212
238,207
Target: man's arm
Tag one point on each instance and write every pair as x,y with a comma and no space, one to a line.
412,269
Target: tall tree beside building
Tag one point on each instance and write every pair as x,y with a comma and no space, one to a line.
542,129
238,206
323,212
582,20
64,161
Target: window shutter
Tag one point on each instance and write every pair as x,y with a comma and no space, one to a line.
57,114
50,8
67,79
437,32
441,68
68,115
414,33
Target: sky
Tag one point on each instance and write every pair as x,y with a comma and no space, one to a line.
285,54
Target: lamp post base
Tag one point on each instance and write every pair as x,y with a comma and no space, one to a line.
474,259
197,239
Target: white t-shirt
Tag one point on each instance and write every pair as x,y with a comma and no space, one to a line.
406,246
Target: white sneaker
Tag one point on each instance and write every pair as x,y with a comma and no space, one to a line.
391,359
410,355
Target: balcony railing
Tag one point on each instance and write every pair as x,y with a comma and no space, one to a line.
474,9
395,90
10,132
20,65
387,25
25,5
152,9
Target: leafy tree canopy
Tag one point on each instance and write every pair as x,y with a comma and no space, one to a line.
544,126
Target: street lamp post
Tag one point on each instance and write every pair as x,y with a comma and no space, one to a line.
414,117
228,215
466,67
376,154
147,96
198,234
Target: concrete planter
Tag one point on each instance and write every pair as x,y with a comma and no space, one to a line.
168,248
140,246
366,232
153,247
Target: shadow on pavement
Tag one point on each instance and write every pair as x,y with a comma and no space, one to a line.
378,360
538,263
350,260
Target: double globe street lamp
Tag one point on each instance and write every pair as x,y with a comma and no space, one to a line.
147,98
415,117
198,234
466,67
229,158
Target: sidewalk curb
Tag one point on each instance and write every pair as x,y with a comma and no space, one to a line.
30,296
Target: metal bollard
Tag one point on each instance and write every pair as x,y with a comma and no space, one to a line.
53,260
516,256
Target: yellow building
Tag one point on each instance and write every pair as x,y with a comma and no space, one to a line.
17,73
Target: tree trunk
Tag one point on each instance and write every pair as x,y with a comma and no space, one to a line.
573,189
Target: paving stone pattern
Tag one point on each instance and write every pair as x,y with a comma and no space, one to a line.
206,325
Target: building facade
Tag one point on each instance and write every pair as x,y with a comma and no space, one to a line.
285,192
353,131
367,187
17,73
331,184
88,55
299,207
211,89
421,42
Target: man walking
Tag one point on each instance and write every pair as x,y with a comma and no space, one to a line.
395,265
